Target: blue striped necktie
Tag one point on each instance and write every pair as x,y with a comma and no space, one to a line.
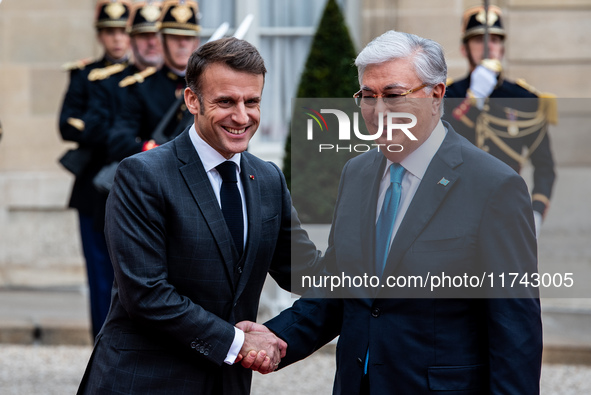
385,225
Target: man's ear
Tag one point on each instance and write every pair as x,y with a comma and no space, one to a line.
192,101
438,93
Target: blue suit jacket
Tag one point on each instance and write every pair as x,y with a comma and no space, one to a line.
180,285
480,222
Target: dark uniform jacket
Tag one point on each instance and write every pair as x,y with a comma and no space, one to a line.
148,100
512,129
82,120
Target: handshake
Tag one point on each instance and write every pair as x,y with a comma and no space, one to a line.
262,350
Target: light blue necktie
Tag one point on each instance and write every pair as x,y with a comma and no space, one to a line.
385,225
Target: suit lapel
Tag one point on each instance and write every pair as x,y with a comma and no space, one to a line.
371,183
198,183
253,208
439,179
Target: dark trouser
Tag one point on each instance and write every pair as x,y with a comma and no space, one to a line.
99,270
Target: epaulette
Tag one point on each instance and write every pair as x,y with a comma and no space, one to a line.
449,81
548,102
521,82
137,77
106,72
77,64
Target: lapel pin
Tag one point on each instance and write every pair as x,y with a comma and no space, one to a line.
251,177
443,181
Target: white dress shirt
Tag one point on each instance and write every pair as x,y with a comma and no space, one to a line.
415,165
210,159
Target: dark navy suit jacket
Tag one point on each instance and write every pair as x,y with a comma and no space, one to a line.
481,221
180,285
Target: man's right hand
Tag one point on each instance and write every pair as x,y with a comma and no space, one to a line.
482,82
262,350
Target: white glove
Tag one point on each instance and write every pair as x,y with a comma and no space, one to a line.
482,83
538,223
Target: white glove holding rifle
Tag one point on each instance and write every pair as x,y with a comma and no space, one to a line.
483,81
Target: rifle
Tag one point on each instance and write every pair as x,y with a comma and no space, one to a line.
486,33
244,26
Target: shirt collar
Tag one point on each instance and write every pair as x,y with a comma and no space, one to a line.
417,162
209,156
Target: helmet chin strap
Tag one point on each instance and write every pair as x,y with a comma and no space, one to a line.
469,56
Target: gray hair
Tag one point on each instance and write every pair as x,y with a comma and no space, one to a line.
427,55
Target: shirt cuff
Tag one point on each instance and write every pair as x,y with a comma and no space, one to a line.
235,347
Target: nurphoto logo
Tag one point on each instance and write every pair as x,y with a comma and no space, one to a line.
344,132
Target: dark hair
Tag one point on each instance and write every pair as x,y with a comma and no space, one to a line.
232,52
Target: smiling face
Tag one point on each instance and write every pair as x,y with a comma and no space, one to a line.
228,113
395,77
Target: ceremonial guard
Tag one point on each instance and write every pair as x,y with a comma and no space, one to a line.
109,90
507,119
143,33
80,122
155,111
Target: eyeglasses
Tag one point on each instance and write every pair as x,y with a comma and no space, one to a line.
388,98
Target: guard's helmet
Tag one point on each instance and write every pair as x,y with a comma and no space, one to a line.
473,22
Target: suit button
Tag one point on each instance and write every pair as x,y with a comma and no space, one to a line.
359,362
375,312
239,269
193,344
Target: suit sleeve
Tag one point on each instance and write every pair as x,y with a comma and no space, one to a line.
136,236
315,319
295,254
508,244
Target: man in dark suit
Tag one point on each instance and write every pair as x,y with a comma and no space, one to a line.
507,119
457,210
190,263
80,121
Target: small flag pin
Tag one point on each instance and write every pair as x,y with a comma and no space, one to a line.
251,177
443,181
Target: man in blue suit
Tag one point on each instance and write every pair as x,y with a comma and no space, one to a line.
185,269
458,211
